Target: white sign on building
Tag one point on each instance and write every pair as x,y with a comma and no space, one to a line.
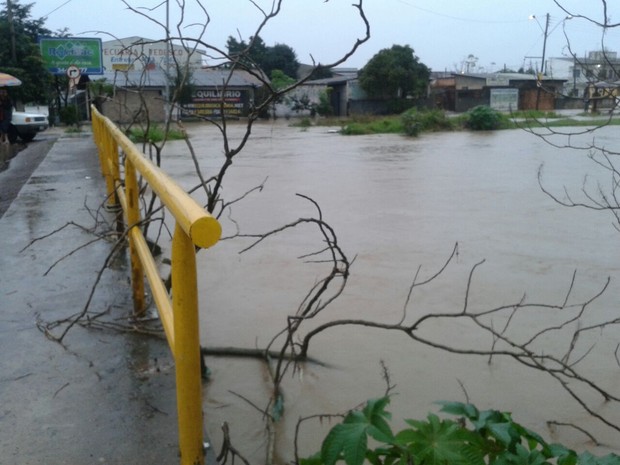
138,53
504,99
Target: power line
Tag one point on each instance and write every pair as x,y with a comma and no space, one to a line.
457,18
57,8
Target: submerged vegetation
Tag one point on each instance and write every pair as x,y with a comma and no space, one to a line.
482,118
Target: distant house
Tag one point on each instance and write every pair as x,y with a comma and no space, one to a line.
602,95
592,81
443,85
582,72
503,91
342,88
347,96
213,90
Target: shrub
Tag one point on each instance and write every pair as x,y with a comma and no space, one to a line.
411,122
324,107
483,118
354,129
155,134
69,115
414,121
360,126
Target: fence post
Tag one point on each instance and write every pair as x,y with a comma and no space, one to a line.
187,348
133,220
104,145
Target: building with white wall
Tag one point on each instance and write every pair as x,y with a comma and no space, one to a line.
138,53
581,72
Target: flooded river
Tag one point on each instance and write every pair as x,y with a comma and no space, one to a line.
398,204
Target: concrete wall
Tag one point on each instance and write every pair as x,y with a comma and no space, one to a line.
529,97
127,106
467,99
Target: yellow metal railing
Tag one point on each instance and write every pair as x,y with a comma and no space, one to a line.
179,314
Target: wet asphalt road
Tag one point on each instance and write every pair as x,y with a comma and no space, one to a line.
17,163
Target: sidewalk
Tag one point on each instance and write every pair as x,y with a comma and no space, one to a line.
107,398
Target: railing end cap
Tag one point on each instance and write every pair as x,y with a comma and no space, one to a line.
206,232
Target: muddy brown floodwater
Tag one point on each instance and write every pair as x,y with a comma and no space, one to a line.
398,204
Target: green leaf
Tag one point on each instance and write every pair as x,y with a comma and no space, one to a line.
569,459
487,417
502,432
332,445
405,436
380,435
346,440
355,416
377,407
355,445
588,459
378,417
564,455
520,456
374,457
533,439
439,442
468,411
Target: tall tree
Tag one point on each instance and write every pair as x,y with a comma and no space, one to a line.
23,59
249,54
394,73
267,58
281,57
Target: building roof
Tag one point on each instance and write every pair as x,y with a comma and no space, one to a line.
200,77
505,77
331,80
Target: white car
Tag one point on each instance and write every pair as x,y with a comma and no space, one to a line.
26,125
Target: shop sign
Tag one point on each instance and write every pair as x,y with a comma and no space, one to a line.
59,53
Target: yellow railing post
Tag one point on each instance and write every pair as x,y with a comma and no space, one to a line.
108,150
133,219
187,348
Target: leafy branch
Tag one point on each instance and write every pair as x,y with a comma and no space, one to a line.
476,438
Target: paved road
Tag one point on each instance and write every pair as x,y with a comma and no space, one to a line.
17,163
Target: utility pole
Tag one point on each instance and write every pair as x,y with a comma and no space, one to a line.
542,66
167,64
9,15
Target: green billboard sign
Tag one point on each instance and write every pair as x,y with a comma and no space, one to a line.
61,52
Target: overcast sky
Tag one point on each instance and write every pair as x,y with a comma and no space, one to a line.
443,33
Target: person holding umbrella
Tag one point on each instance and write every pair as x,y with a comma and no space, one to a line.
6,114
6,105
